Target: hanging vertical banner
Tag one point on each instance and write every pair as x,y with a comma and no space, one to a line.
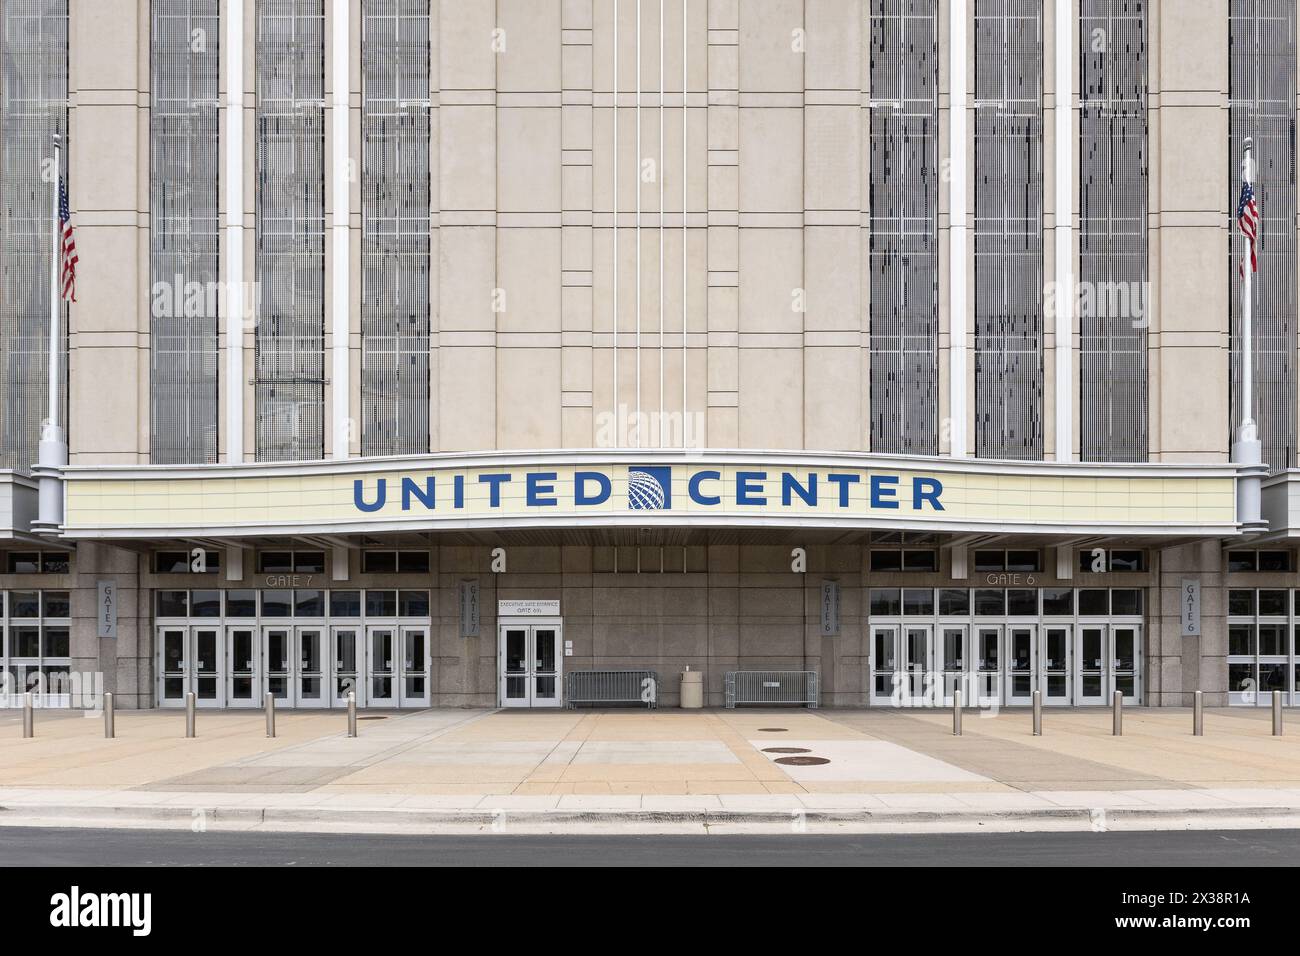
106,608
1190,607
469,609
830,608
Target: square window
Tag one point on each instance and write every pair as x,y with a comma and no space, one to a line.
1272,640
241,603
1022,602
917,601
413,562
171,562
1274,560
378,562
886,602
56,641
1024,561
1126,560
920,560
1086,561
173,604
381,603
24,562
56,604
1241,640
1127,601
309,562
1272,603
205,604
989,603
54,562
275,562
277,604
1241,603
1241,560
26,641
1094,601
1058,601
1241,677
990,561
413,604
954,602
883,561
309,603
345,603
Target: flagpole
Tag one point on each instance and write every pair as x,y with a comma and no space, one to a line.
1247,453
52,452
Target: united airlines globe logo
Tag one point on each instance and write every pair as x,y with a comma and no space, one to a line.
648,489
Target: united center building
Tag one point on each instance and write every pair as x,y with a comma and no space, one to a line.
437,352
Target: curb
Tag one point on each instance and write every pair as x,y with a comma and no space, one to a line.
364,819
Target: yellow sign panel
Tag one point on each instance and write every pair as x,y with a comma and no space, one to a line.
696,491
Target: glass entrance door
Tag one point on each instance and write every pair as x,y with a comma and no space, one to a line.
1124,677
529,665
276,658
190,660
381,661
241,668
347,660
884,664
1021,663
309,681
987,665
918,664
952,657
1056,674
207,666
172,666
1089,662
414,679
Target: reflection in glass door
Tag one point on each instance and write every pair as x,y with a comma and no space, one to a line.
952,652
918,665
546,667
347,677
207,666
1125,662
1054,657
275,662
1090,656
514,666
241,667
415,667
988,666
380,662
172,666
884,658
530,665
310,679
1021,663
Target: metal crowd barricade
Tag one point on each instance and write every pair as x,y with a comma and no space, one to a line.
772,687
611,687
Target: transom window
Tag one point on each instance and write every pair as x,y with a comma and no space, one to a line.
395,562
183,562
37,562
1261,561
291,562
303,603
1006,602
905,559
1000,560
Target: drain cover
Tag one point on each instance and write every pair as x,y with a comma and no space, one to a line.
771,730
802,761
786,750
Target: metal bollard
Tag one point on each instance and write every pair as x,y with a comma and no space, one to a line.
956,712
109,731
352,714
1277,713
1117,718
1038,713
29,727
191,707
1198,714
270,714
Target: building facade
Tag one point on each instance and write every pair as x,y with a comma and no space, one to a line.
436,351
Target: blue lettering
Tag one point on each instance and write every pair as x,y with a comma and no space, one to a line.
749,483
359,498
884,491
580,496
844,481
536,488
790,484
693,488
494,482
410,488
927,489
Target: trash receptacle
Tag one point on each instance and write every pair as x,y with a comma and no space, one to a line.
692,689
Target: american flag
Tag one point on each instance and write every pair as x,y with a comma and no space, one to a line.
68,278
1248,223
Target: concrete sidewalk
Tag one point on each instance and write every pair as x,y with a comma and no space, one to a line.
489,770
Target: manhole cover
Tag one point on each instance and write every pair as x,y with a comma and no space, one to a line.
786,750
374,717
802,761
771,730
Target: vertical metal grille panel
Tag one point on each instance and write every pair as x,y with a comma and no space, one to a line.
184,230
904,221
1262,97
1113,282
34,55
1008,229
290,339
395,227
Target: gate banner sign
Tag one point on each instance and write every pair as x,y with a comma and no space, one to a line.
1190,601
106,608
647,488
